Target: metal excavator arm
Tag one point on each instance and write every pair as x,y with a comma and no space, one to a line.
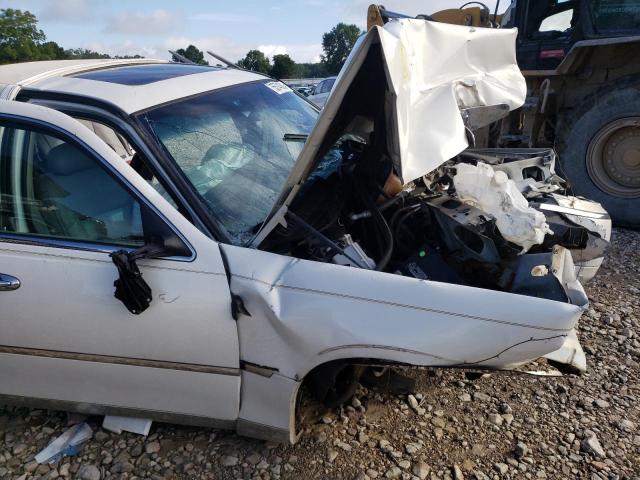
478,15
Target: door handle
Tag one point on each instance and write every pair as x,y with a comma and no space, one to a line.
8,283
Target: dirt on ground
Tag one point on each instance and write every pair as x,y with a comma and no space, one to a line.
499,426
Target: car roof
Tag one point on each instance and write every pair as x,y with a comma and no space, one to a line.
131,85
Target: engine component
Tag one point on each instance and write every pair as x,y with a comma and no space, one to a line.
499,196
428,264
354,255
559,283
466,230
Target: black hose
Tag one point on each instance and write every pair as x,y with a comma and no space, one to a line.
403,219
381,222
387,231
327,241
400,211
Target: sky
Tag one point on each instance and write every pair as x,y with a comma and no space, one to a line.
228,28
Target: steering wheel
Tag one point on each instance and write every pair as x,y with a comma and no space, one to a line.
476,3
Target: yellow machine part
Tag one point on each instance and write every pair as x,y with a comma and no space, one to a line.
472,16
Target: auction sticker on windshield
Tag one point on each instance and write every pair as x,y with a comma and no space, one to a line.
278,87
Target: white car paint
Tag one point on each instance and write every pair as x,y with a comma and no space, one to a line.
304,314
65,306
192,359
128,98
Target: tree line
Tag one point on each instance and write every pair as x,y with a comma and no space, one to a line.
22,41
336,45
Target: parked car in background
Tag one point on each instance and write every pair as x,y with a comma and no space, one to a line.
192,244
305,90
321,91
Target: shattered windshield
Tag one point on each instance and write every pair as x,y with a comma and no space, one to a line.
236,146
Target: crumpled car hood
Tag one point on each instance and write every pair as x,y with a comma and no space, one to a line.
432,70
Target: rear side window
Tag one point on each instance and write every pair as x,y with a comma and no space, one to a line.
51,188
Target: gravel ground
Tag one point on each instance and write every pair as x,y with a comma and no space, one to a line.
499,426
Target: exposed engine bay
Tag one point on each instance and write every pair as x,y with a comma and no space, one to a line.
491,218
437,228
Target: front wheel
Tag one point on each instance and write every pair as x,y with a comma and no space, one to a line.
600,154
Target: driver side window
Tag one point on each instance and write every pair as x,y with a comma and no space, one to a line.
52,188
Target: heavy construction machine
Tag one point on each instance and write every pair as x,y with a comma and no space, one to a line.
581,59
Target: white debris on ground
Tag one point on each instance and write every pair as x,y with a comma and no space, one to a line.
117,424
496,427
493,192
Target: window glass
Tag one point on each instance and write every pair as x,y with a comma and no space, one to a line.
52,188
611,15
559,22
125,150
320,87
330,84
236,146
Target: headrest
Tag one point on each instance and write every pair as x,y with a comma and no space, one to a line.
65,159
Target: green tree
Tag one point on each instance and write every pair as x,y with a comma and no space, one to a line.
192,53
337,44
51,51
311,70
283,66
83,53
19,36
256,61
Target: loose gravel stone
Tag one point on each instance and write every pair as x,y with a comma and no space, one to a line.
501,468
88,472
521,450
421,470
496,419
393,472
152,447
229,461
591,444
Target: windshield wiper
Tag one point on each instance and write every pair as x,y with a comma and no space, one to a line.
295,137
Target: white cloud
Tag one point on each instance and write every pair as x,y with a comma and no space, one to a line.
67,11
299,53
157,22
305,53
223,17
126,47
271,50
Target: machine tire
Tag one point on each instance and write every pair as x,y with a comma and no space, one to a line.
609,110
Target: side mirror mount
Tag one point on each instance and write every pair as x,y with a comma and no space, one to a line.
161,241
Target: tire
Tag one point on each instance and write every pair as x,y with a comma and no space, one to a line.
334,383
599,152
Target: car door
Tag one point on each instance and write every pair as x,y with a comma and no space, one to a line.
320,93
66,202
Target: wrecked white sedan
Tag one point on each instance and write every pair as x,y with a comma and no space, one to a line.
191,244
